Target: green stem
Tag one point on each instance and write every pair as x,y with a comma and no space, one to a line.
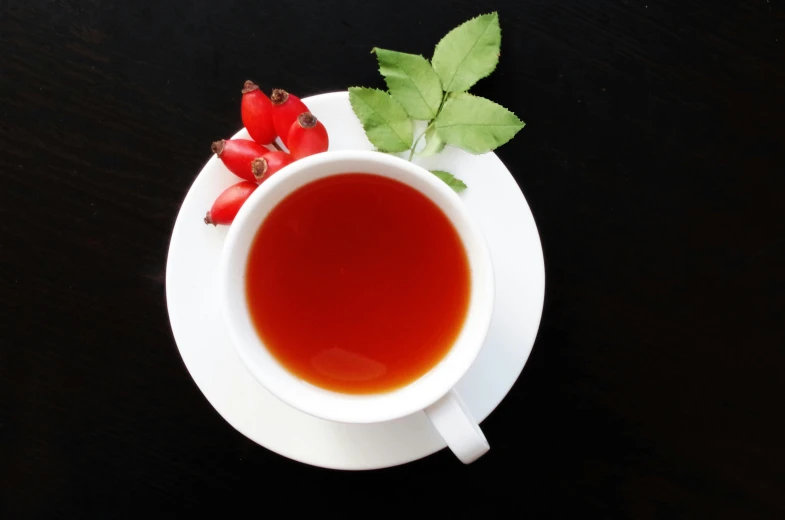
414,146
441,105
430,124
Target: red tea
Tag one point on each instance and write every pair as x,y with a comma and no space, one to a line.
357,283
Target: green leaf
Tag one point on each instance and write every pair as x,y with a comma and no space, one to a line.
412,81
468,53
476,124
456,184
385,121
433,143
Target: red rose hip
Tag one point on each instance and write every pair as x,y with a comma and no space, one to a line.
237,155
307,136
266,165
229,202
286,108
256,111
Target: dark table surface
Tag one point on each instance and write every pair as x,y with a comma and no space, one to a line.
653,161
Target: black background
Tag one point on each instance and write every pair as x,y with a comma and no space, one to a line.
653,163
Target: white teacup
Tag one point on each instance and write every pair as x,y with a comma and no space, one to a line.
434,391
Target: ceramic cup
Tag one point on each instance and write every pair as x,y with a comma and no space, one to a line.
434,391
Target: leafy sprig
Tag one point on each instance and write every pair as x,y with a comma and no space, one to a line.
436,92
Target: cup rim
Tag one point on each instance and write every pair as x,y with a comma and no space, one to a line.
316,401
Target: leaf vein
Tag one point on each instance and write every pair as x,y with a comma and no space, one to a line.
416,87
452,79
385,121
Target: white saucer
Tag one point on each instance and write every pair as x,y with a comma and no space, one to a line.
496,203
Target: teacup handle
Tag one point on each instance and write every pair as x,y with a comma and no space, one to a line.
456,425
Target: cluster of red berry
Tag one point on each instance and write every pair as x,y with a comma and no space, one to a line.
281,115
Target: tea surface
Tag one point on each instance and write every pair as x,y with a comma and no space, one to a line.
357,283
